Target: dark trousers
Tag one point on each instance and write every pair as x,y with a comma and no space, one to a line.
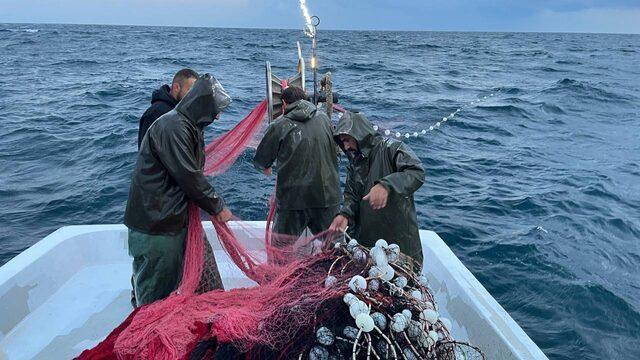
291,223
157,266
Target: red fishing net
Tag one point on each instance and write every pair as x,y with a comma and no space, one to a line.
223,151
270,316
302,307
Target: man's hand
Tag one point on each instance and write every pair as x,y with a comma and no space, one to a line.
267,171
377,197
224,215
339,223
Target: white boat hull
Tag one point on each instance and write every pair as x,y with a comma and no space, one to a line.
68,291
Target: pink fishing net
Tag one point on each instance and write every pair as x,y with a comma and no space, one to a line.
298,299
223,151
275,315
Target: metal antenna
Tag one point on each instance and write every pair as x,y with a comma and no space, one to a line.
314,59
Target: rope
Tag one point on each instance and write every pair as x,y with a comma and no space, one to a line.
285,84
326,84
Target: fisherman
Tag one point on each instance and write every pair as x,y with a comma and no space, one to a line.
307,187
165,99
168,176
382,176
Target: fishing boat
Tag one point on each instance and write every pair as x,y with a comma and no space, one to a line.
68,291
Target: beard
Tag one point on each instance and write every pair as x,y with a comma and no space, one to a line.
353,154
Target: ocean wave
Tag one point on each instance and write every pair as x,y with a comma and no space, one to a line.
23,30
509,90
423,87
468,50
22,42
364,66
530,53
450,86
548,69
485,141
507,250
556,121
480,127
75,62
89,107
506,109
568,62
586,89
425,46
551,108
598,191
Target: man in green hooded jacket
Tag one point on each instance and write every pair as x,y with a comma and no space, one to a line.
382,176
307,187
168,176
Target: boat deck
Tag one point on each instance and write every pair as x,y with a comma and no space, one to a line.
67,292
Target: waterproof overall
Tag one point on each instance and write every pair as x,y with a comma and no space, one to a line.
167,176
396,167
307,187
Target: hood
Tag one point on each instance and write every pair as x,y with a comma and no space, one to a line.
300,111
163,94
357,126
204,101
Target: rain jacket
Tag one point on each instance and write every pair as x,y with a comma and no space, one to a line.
169,169
307,163
393,165
161,103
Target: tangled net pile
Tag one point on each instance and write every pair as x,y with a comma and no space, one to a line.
317,297
387,310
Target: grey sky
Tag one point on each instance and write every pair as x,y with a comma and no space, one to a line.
618,16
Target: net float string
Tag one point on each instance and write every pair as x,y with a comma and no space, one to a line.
398,134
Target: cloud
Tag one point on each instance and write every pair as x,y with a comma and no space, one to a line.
610,16
601,20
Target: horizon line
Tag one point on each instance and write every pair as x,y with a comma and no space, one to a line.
321,30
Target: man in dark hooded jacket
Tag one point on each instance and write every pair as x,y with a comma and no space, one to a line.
168,176
382,176
308,186
165,99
